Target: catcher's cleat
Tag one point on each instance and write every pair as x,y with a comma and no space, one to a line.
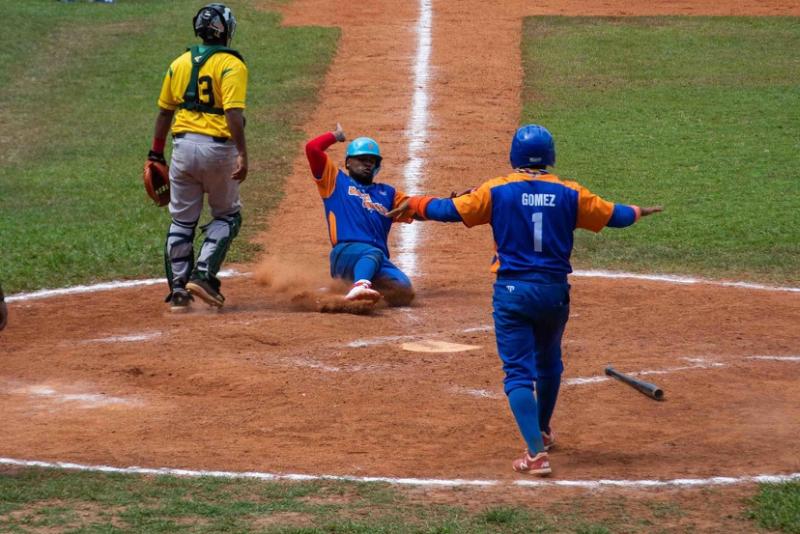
537,465
362,290
180,301
205,291
549,440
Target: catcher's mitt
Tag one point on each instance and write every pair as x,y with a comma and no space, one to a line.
156,180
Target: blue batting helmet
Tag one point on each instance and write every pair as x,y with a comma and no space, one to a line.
365,146
532,146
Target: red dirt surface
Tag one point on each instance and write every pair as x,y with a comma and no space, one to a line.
268,384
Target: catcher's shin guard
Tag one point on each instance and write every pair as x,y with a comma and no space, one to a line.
179,253
220,232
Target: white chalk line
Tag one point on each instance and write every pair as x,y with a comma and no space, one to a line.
87,400
476,392
696,363
685,280
130,338
109,286
105,286
418,134
256,475
776,358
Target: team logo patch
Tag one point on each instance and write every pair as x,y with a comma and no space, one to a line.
366,201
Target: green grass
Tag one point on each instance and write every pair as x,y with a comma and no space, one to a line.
65,501
78,102
701,115
777,507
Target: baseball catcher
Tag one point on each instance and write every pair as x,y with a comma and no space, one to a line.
202,101
533,215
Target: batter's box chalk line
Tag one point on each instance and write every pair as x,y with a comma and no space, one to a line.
431,482
696,363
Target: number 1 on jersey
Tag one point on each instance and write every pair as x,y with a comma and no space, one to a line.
537,219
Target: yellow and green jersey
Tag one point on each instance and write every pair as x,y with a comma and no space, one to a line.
221,85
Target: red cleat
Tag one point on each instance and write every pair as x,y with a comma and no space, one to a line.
537,465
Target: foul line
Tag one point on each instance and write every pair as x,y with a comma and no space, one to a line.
590,484
687,280
231,273
418,133
105,286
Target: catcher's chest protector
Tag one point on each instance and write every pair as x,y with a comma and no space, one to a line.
191,97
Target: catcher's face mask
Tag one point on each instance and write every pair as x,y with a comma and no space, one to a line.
215,22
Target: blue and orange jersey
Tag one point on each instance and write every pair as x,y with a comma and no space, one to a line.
533,215
354,212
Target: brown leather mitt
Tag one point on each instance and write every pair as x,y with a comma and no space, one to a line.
156,180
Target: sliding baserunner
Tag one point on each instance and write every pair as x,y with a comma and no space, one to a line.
355,209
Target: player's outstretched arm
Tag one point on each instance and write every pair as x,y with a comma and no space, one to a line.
423,208
644,212
315,149
624,215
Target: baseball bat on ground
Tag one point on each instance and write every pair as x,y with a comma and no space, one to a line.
651,390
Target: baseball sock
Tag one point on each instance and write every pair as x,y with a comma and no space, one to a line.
523,406
365,268
547,393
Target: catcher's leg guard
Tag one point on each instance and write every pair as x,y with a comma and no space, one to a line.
220,232
179,253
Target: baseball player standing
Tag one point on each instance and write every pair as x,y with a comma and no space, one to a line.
533,215
204,92
355,209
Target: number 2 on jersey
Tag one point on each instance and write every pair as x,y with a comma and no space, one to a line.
538,219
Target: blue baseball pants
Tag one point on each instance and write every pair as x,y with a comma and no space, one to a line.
529,322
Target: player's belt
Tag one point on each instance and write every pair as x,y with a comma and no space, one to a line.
181,135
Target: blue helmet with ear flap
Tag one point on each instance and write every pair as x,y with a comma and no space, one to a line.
365,146
532,146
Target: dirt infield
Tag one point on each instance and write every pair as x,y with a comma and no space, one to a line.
270,385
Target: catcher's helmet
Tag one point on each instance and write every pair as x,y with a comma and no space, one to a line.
532,146
365,146
214,23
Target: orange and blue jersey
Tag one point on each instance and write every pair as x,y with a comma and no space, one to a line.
533,215
355,212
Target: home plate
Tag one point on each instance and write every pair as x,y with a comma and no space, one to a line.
430,345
